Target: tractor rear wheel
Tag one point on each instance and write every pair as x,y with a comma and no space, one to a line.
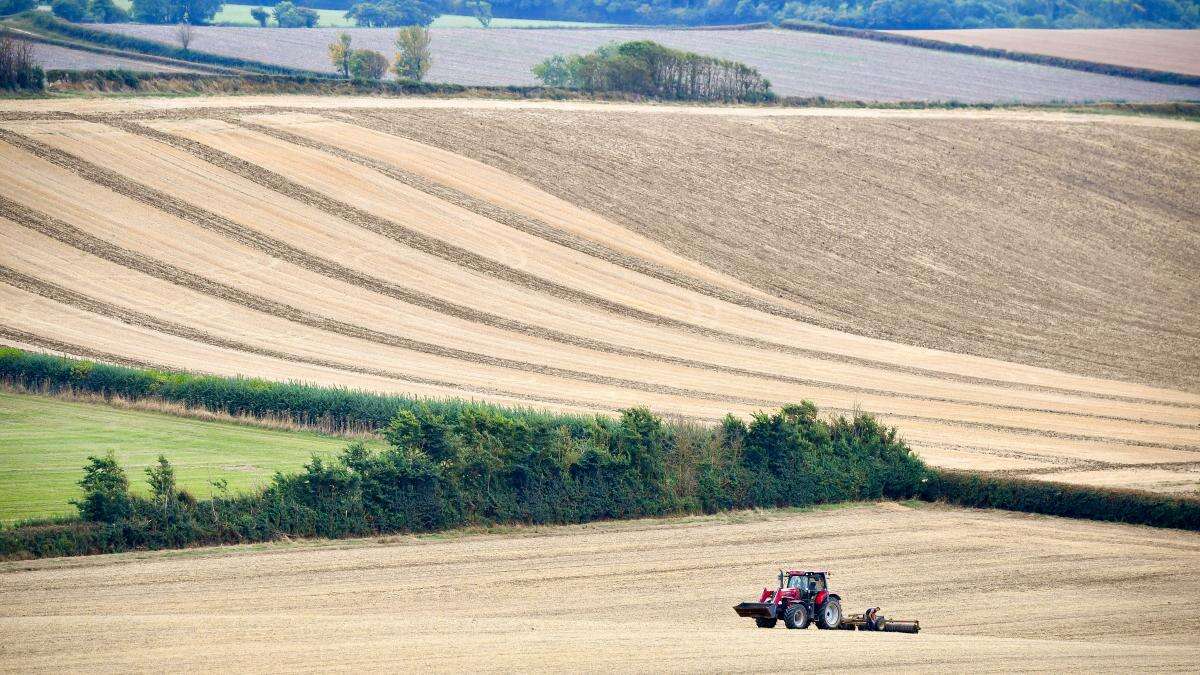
796,616
830,616
764,622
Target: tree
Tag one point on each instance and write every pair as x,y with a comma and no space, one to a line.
340,53
260,15
194,12
161,479
71,10
482,10
288,15
16,6
368,65
413,56
106,11
553,72
105,491
389,13
185,34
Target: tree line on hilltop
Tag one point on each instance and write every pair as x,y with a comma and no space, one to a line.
875,14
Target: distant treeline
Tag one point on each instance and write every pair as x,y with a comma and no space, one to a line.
650,69
879,14
453,463
1040,59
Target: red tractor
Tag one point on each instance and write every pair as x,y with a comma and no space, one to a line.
801,598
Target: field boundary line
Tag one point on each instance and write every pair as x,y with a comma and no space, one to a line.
1033,58
484,265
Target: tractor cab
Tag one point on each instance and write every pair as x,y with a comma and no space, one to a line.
807,583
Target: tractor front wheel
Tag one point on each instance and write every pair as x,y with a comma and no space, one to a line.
764,622
796,616
830,616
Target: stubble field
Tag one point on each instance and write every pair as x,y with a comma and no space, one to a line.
994,592
796,63
343,247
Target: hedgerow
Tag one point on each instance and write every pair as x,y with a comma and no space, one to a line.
453,463
43,21
449,466
1160,76
1058,499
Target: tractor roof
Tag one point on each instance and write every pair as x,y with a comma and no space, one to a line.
796,573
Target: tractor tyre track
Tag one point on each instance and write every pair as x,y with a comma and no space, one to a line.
83,241
527,224
469,260
135,318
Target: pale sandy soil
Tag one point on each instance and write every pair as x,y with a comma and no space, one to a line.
993,592
357,247
1175,51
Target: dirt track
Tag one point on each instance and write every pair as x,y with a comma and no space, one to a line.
993,591
346,247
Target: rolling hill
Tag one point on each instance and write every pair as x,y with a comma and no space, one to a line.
796,63
942,270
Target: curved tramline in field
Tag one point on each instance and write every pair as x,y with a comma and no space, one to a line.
342,247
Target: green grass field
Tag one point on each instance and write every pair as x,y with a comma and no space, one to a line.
44,443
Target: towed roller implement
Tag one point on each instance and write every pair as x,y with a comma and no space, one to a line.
874,621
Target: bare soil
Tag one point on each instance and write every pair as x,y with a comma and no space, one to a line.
993,592
695,260
1176,51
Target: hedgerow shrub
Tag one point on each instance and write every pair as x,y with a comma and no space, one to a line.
1058,499
454,463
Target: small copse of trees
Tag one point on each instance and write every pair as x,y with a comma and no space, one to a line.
101,11
289,15
362,65
649,69
392,13
194,12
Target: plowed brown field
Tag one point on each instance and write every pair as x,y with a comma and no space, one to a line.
1015,291
1154,48
993,592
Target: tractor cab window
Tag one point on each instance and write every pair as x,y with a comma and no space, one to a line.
805,582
